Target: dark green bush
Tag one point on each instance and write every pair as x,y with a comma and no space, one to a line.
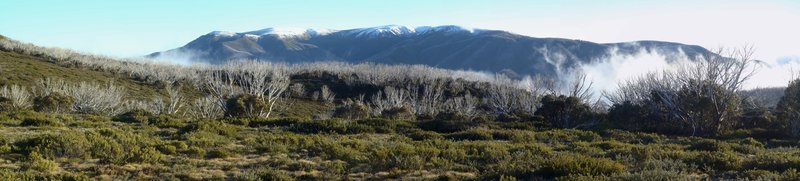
195,152
399,113
245,105
351,111
287,121
709,145
773,161
472,135
220,153
54,102
264,173
6,104
717,160
134,116
565,112
331,126
167,121
563,165
146,155
447,126
40,121
418,134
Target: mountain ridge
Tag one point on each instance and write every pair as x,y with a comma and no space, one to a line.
449,46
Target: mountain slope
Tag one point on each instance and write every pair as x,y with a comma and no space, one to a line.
451,47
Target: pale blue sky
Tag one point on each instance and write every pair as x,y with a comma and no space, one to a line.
132,28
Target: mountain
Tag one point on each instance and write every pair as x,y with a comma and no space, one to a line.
451,47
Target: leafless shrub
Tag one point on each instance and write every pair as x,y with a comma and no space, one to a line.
388,99
206,107
428,99
297,90
466,106
19,97
326,94
96,99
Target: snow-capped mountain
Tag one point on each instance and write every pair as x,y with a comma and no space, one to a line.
452,47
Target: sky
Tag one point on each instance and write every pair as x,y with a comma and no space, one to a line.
135,28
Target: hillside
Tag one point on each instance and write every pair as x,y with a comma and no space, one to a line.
338,121
450,47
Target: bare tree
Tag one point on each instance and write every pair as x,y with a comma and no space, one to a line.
716,80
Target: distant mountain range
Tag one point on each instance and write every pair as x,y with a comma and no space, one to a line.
451,47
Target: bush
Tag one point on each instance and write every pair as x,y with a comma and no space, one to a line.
54,102
565,112
245,105
195,152
166,121
220,153
38,163
338,126
67,144
40,121
264,173
789,108
773,161
563,165
399,113
351,111
709,145
447,126
471,135
134,116
418,134
146,155
721,161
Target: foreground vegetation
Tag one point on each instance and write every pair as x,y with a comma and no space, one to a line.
70,116
73,146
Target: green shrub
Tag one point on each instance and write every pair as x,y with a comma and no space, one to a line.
220,153
166,121
399,113
6,104
288,121
264,173
134,116
168,149
709,145
418,134
447,126
773,161
383,125
472,135
719,161
338,126
38,163
351,111
760,175
67,144
195,152
245,105
146,155
565,112
40,121
563,165
54,102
